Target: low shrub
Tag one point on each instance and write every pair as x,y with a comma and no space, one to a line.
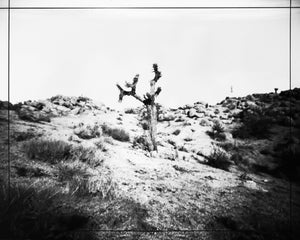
176,132
227,146
23,136
217,127
116,133
144,125
217,131
240,160
188,139
131,111
33,116
52,151
100,144
183,149
219,159
88,131
30,171
142,142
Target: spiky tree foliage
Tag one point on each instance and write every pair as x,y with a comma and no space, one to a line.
148,100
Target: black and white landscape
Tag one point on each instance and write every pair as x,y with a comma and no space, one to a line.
150,124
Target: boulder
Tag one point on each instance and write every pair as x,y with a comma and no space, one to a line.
192,113
75,111
204,122
166,117
38,105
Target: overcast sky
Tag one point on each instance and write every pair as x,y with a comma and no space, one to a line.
201,53
193,3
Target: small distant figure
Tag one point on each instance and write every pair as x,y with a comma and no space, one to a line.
276,89
206,105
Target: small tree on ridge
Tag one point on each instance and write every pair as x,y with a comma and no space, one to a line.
148,100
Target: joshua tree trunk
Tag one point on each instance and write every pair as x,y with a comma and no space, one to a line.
151,109
148,101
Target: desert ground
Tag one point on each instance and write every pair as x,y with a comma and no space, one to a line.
84,171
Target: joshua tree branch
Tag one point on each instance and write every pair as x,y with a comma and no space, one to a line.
156,72
132,92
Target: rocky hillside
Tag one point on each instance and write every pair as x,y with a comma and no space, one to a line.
76,165
44,110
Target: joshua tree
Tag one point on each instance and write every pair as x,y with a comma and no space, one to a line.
148,100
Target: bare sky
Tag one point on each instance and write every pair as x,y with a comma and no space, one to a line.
192,3
201,53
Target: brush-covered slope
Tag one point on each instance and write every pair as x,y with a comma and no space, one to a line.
77,165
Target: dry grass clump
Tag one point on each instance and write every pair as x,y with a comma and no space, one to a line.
32,213
88,155
66,171
116,133
52,151
87,131
100,185
82,181
55,151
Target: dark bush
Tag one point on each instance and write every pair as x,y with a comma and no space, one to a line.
217,131
227,146
177,132
22,136
30,172
145,125
116,133
218,159
217,127
142,142
131,111
253,125
289,161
